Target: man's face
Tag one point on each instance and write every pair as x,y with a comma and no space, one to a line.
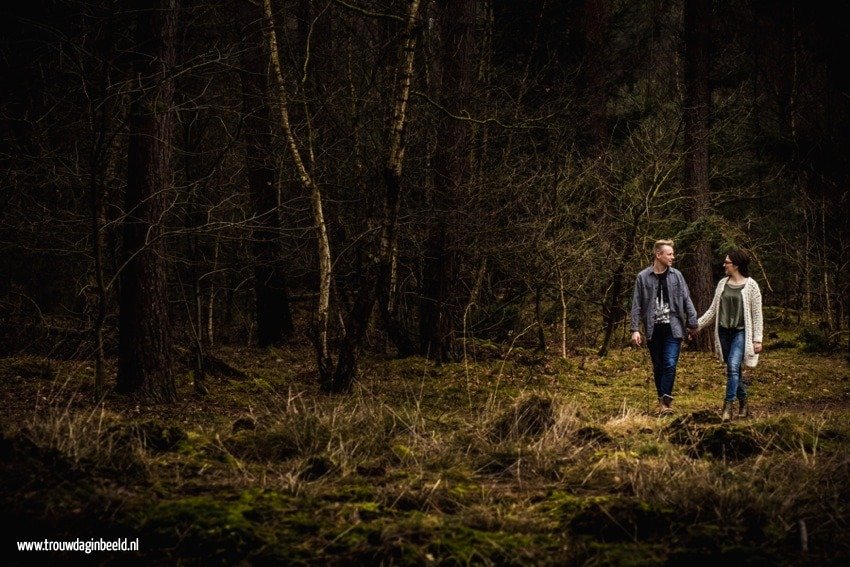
665,256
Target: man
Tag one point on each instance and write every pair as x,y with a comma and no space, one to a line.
662,300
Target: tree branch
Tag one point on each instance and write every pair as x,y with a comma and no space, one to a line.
468,118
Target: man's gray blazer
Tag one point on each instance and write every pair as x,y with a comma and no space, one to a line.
682,312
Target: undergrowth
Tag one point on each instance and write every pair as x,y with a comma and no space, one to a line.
490,461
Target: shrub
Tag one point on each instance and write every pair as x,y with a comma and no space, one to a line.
818,340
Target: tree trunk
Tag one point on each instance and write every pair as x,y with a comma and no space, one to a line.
697,112
612,310
825,268
439,311
538,316
273,314
102,165
378,282
322,315
847,313
388,253
145,358
594,25
194,222
96,194
562,294
211,296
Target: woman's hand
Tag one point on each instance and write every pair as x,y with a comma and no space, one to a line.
756,347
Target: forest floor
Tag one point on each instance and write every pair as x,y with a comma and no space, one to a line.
508,458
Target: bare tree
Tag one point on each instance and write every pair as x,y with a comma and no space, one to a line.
145,357
105,108
322,315
340,377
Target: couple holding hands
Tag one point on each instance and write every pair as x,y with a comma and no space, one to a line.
662,301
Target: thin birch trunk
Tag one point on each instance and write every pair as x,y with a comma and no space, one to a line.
308,184
563,311
211,299
827,299
97,250
346,370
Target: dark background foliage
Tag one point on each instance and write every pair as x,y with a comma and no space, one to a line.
544,174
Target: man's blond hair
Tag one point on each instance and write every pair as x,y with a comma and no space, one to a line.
661,243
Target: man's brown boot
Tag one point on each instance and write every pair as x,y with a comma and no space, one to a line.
743,408
727,411
666,402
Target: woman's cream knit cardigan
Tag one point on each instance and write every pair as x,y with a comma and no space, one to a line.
753,321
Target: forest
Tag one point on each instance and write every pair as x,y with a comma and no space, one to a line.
349,282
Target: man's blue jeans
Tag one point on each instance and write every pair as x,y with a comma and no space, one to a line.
664,350
732,346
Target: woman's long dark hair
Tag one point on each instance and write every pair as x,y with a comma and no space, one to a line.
740,258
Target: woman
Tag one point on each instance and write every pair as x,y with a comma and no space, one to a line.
737,317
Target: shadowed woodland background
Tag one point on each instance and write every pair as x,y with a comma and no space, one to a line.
150,192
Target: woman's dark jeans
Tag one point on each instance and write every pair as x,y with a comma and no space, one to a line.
664,350
732,346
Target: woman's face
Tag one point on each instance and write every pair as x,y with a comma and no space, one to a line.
729,267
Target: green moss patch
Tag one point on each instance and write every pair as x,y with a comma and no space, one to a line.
201,526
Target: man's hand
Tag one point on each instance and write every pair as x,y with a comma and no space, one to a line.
692,334
636,340
756,347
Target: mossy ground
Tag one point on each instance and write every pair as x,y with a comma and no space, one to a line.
506,458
